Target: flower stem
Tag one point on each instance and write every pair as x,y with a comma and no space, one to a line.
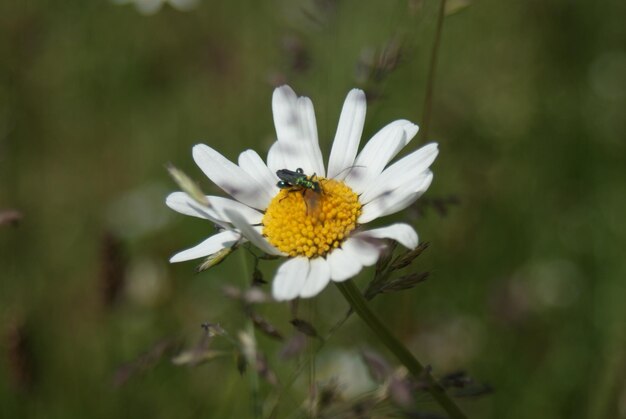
352,294
428,100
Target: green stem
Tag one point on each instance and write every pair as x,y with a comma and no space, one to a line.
428,100
358,303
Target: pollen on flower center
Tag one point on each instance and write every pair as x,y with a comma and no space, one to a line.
303,222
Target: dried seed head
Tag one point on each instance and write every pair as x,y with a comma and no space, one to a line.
407,258
264,326
187,185
215,259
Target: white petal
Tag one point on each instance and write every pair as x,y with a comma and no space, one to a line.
400,232
379,151
401,172
290,279
343,265
254,165
183,203
277,156
296,128
211,245
348,136
250,233
230,177
309,124
219,205
317,279
366,250
396,199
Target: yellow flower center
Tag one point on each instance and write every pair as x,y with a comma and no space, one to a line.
302,222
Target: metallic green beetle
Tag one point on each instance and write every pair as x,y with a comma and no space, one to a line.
297,180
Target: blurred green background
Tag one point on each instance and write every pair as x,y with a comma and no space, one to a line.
527,274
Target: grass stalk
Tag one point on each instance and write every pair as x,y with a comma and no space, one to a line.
432,67
352,294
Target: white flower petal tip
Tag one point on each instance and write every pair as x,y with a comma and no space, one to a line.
348,136
290,279
378,151
296,130
284,90
209,246
397,199
402,173
400,232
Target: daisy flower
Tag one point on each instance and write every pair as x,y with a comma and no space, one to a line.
320,231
